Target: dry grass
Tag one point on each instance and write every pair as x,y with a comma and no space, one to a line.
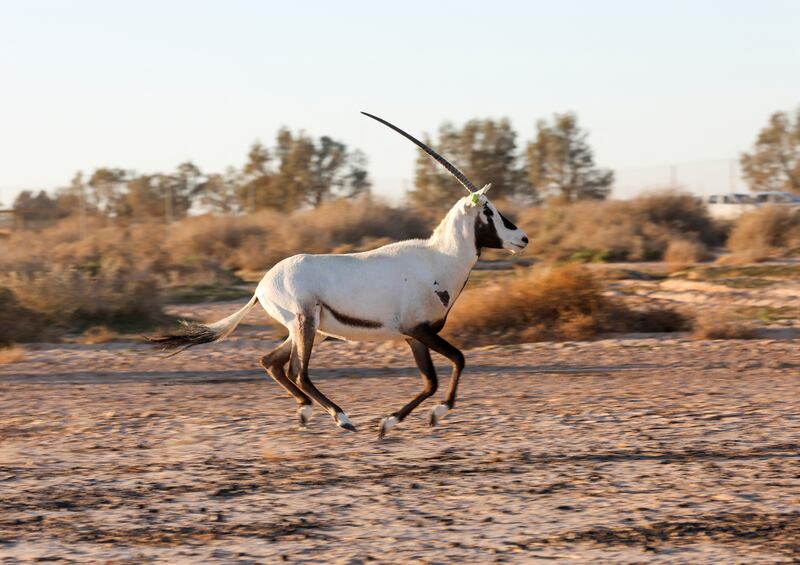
96,335
18,323
771,231
681,253
637,230
11,354
549,303
205,250
71,300
114,276
721,325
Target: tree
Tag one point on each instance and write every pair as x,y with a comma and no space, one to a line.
484,150
28,201
71,199
335,172
774,163
37,208
255,177
143,197
182,188
107,190
561,163
218,193
169,196
306,173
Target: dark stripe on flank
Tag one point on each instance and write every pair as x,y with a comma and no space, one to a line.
350,320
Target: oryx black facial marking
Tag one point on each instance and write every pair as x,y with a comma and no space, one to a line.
350,320
444,297
486,235
506,222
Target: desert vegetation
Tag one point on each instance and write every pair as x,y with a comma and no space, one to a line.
641,229
117,244
770,232
722,324
551,303
117,274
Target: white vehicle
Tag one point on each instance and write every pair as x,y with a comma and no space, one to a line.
777,198
729,206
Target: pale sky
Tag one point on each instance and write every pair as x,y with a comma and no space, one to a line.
146,85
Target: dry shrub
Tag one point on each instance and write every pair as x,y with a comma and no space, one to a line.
338,226
96,335
767,232
678,212
548,303
73,300
114,274
681,252
205,250
721,325
634,230
18,323
656,318
11,354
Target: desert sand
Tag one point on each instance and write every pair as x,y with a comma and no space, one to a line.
618,450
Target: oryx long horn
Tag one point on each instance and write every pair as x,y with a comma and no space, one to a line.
462,178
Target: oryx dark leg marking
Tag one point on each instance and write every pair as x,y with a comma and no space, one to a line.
422,356
350,320
444,297
273,362
427,335
302,344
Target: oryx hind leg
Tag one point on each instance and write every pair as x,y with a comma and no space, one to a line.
274,362
430,338
303,337
422,356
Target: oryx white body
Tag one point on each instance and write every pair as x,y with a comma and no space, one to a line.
396,287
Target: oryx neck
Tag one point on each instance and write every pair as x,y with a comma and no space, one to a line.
454,237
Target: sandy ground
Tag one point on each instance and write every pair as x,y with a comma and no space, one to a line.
639,450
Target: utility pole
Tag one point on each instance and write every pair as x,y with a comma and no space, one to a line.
82,211
79,188
168,196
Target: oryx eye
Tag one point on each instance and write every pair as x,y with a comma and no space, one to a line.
487,211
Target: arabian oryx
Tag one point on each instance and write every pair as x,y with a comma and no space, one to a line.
403,289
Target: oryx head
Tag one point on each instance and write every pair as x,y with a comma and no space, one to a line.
492,229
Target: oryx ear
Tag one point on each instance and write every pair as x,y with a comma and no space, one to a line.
479,196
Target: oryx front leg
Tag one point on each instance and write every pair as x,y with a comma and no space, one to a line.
428,337
302,343
422,356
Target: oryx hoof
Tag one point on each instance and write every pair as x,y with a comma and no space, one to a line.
343,422
387,424
304,413
437,413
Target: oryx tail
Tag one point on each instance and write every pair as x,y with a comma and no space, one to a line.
191,333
